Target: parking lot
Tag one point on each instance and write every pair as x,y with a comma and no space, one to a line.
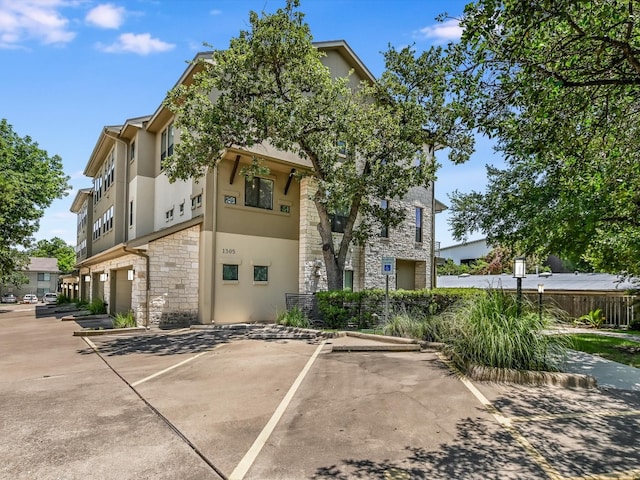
207,404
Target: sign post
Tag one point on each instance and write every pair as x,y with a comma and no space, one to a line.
388,269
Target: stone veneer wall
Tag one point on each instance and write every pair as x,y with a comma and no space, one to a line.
366,262
173,299
401,244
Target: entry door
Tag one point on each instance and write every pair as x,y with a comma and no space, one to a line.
405,274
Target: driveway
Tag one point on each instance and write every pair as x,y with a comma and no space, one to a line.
208,404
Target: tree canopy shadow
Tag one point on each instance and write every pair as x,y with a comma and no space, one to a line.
577,432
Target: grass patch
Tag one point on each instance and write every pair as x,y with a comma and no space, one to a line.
611,348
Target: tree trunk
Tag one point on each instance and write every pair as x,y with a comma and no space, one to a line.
334,271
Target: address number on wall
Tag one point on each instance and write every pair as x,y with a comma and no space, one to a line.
229,251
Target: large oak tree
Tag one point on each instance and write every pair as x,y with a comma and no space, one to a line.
557,85
29,181
272,87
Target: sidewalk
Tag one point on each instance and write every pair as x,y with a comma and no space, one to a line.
607,373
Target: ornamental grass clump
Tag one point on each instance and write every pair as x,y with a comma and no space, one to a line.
486,330
293,318
414,325
124,320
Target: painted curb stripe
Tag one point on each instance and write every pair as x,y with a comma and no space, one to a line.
168,369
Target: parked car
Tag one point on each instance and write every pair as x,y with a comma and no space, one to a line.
29,298
9,298
50,297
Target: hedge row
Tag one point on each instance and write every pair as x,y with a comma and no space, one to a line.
365,309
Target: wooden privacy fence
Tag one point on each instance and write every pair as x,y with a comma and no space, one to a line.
618,310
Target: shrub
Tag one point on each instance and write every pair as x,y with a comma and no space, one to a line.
63,299
97,307
293,318
339,308
486,330
124,320
593,319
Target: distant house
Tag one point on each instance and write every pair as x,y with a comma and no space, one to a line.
42,274
466,253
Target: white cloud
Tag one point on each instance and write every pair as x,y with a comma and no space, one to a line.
106,15
441,32
33,19
141,44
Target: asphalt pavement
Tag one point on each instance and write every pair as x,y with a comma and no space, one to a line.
253,404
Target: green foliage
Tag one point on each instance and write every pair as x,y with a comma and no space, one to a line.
62,300
418,326
55,248
365,309
124,320
97,307
556,85
593,319
29,182
293,318
486,330
273,87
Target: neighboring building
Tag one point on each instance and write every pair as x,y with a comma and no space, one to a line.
466,253
221,248
42,274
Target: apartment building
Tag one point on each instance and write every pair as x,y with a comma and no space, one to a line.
221,248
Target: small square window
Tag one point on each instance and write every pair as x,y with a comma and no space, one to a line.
182,208
230,272
260,273
229,199
285,208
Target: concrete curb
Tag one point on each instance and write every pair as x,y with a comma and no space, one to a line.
527,377
409,347
68,318
107,331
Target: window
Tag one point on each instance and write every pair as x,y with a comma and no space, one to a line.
230,272
339,220
260,273
132,151
131,213
348,280
44,277
107,220
229,199
169,215
182,208
196,201
166,143
258,192
285,208
419,214
384,231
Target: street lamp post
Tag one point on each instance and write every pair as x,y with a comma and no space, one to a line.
519,272
540,292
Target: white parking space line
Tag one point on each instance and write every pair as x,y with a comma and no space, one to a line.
168,369
505,422
245,464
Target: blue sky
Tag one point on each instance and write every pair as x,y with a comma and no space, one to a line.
69,67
